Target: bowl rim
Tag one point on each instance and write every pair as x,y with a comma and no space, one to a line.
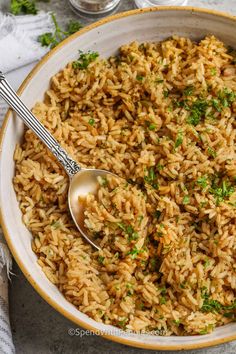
3,224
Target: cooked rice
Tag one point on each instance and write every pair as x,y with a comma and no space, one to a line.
162,116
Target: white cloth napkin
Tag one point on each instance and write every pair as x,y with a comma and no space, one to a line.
18,39
18,47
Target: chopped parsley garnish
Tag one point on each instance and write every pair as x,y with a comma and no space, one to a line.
128,230
179,139
216,104
135,252
176,322
197,111
226,97
84,60
207,329
165,93
23,7
186,199
206,263
163,295
188,91
51,40
103,181
162,300
152,126
214,306
159,81
213,71
151,178
91,121
56,225
140,219
101,259
211,152
160,167
122,323
139,78
202,181
221,191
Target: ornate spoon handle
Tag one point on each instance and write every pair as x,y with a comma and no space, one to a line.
14,101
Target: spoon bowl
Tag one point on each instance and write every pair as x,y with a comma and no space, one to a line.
83,183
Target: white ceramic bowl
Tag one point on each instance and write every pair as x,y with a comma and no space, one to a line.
105,37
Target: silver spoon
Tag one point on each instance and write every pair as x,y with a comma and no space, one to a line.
82,180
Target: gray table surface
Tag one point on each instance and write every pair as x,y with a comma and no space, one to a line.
37,327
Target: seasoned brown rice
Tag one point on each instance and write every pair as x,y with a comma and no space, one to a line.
162,116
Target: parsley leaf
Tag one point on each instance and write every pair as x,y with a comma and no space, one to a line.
51,40
211,152
213,71
91,121
179,139
151,177
23,7
221,191
134,252
129,230
188,91
84,60
139,78
101,259
165,93
202,181
73,27
186,199
197,111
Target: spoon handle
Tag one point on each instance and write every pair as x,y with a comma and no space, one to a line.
14,101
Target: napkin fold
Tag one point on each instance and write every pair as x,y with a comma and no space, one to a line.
19,39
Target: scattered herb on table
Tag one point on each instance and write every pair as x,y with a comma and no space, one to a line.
51,40
26,7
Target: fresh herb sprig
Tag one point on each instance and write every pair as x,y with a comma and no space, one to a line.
23,7
51,40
